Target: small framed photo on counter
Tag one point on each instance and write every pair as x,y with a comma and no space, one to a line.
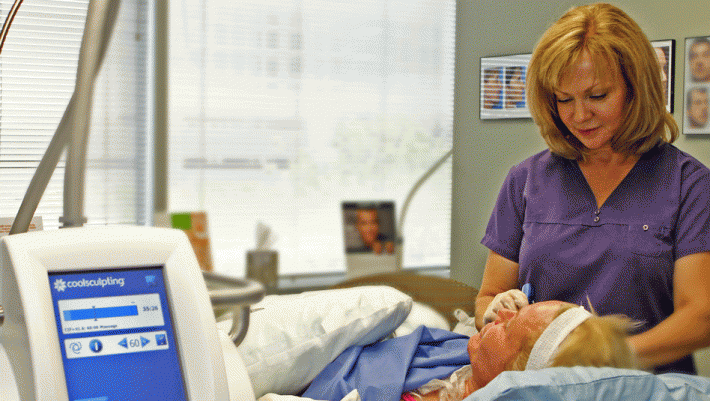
369,227
370,236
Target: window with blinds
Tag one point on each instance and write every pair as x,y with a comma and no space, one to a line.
280,110
38,66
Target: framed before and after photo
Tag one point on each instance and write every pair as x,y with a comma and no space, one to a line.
665,51
697,85
503,87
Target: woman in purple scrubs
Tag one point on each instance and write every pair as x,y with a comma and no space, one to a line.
612,213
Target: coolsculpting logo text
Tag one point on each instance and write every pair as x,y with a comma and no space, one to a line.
60,285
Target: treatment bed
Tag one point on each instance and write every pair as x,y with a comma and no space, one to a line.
291,338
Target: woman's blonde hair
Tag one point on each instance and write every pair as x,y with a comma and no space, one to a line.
598,341
611,38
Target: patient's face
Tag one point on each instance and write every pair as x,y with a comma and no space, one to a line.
499,342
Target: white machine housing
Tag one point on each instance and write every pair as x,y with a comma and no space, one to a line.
30,353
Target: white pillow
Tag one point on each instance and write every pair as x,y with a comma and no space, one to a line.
291,338
422,315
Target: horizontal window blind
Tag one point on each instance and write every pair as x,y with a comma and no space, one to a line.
38,67
279,110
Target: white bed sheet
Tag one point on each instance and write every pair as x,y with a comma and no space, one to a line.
352,396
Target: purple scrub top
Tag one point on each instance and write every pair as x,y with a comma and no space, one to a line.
620,256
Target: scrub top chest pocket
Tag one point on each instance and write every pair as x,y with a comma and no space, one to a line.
648,239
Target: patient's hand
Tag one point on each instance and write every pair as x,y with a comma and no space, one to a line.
511,299
454,393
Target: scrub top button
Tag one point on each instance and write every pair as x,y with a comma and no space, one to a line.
597,212
596,219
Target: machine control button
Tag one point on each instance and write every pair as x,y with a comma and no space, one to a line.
75,347
96,346
161,339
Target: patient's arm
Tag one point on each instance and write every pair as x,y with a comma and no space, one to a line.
500,275
688,327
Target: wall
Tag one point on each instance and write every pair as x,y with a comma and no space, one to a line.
485,150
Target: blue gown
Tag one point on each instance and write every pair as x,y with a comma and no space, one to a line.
383,371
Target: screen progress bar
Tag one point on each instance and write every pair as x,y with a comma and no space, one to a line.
100,313
85,315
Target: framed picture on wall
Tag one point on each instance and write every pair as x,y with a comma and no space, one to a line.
665,51
697,85
503,87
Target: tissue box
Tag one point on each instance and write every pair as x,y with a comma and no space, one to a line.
263,266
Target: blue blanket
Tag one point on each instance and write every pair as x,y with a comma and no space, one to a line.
383,371
588,383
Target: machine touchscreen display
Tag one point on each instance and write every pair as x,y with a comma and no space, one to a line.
116,335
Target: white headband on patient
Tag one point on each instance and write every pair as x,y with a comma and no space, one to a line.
546,346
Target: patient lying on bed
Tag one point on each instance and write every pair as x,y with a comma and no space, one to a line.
540,335
543,335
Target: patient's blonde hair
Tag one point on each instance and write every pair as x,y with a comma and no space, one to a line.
598,341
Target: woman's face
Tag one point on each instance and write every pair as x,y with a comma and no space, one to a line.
590,106
498,343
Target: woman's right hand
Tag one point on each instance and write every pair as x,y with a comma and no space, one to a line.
511,299
499,276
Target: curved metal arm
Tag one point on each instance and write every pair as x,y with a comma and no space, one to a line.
410,195
238,294
100,20
44,172
101,17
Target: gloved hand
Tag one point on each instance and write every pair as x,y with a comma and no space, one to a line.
511,299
